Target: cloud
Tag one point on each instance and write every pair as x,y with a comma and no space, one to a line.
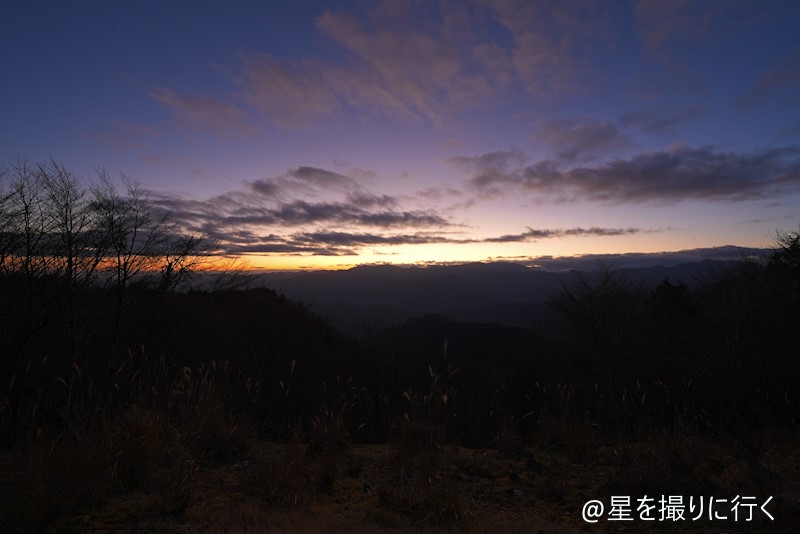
369,200
265,187
553,42
289,249
535,234
438,62
382,73
787,133
289,93
327,242
579,140
205,113
664,177
348,239
386,47
634,260
419,62
234,210
662,24
418,238
322,178
276,221
301,212
280,213
784,76
658,23
323,242
306,182
671,33
654,121
490,169
438,193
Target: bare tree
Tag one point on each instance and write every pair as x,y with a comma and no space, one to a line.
7,244
73,245
6,235
182,254
29,226
231,274
601,311
73,224
786,254
784,263
23,245
133,234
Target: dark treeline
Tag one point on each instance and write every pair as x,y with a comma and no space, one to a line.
74,254
720,358
61,235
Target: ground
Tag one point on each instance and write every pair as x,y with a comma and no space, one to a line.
419,487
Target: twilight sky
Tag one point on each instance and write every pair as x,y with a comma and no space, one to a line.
323,134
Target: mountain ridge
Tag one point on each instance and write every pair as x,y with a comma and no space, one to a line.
504,293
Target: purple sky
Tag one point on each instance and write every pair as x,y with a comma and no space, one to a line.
318,134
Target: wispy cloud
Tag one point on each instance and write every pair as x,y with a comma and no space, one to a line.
383,74
349,239
670,32
436,62
656,121
554,42
290,93
434,72
325,242
663,24
360,239
788,133
532,234
658,23
206,114
386,46
784,76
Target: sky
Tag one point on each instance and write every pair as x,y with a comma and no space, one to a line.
326,135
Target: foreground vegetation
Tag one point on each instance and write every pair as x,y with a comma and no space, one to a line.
128,405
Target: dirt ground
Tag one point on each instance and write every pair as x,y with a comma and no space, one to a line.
407,488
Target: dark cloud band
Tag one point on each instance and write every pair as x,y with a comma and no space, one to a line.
665,177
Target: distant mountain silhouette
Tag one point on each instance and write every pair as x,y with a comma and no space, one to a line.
504,293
